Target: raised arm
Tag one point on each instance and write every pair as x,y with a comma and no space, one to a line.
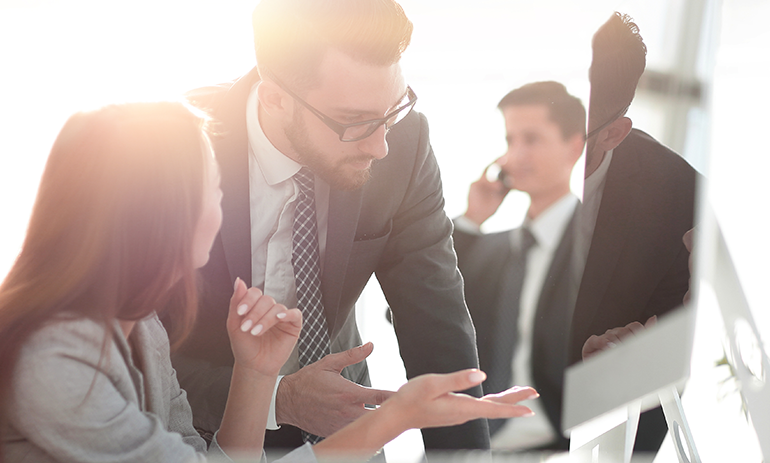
262,335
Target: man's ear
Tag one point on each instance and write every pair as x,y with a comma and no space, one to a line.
612,135
275,101
576,143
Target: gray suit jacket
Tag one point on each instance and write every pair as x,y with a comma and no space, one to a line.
74,401
71,404
394,227
483,260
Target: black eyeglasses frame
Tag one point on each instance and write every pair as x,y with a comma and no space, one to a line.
340,128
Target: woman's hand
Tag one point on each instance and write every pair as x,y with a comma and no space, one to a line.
262,333
430,401
424,402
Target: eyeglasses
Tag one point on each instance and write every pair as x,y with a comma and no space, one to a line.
614,117
359,130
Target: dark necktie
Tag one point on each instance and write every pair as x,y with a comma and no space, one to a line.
305,258
507,317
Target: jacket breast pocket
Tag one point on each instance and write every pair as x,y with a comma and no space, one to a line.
366,252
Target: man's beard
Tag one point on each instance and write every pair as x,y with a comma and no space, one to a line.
333,174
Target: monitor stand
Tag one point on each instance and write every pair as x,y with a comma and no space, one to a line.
610,438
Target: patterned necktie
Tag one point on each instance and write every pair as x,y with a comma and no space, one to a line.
305,258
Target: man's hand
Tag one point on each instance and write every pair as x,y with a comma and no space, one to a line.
319,400
484,198
613,337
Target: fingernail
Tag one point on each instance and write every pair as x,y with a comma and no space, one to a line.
281,316
527,415
235,285
242,309
257,329
476,377
611,344
533,396
246,325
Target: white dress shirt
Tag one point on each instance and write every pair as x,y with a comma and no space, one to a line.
272,200
548,229
593,191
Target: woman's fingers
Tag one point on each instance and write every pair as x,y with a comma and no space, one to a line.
495,410
255,313
513,395
439,384
239,290
501,405
291,316
269,318
260,315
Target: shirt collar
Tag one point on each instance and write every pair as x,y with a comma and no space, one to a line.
549,225
275,166
595,181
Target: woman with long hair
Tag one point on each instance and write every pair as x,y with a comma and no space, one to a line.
127,210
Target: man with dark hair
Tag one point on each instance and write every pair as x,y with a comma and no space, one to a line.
638,201
517,281
329,177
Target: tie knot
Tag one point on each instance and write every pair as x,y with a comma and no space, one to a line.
526,239
305,180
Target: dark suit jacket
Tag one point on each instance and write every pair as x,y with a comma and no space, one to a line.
637,264
483,260
394,226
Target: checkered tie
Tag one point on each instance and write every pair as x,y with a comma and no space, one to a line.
314,338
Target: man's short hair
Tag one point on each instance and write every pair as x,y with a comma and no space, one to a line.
619,58
565,110
292,36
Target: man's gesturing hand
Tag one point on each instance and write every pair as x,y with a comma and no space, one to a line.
319,400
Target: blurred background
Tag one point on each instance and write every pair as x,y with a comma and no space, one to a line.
704,94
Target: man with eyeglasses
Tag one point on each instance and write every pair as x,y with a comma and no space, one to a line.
328,177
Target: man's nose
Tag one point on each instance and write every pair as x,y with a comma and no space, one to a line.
514,154
375,144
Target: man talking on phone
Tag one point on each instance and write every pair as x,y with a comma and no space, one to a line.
516,281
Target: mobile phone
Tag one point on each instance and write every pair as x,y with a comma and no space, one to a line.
495,173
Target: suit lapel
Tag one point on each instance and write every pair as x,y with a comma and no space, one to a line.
344,210
613,224
231,149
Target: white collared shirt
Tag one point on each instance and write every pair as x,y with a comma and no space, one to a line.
272,195
548,229
593,191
